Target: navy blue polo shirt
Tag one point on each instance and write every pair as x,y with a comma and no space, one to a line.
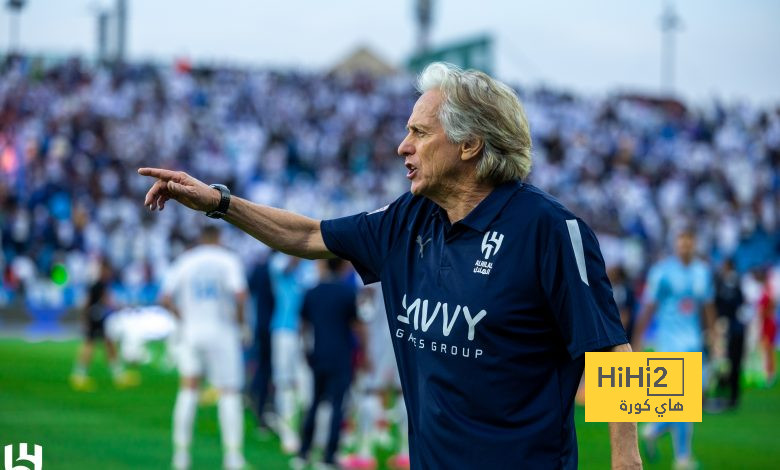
490,318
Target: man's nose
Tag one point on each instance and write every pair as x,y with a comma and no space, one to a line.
405,148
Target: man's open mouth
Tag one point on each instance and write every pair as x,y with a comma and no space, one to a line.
411,171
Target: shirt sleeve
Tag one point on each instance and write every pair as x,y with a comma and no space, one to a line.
365,239
577,290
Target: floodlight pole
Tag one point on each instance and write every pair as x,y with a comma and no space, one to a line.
15,7
103,17
424,13
13,31
670,24
121,30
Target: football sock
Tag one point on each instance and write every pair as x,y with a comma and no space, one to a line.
682,435
403,423
231,421
285,405
322,424
183,416
370,413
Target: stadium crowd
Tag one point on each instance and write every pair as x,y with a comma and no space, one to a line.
72,135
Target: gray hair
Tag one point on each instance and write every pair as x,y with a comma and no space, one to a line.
476,105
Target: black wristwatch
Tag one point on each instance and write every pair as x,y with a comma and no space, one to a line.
224,202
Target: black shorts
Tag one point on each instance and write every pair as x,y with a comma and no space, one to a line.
96,329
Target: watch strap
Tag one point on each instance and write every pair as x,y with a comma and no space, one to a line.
224,202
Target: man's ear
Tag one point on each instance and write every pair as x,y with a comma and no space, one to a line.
471,148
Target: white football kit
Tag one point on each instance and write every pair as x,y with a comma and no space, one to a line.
203,283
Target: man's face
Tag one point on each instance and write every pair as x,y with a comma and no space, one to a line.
685,246
433,163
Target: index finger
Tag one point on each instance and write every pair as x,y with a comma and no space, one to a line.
165,175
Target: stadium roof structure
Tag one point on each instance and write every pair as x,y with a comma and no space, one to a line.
366,61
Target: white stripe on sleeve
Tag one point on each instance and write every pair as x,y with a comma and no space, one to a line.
576,244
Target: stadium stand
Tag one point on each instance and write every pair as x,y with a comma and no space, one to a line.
325,145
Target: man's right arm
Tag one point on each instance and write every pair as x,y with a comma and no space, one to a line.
282,230
285,231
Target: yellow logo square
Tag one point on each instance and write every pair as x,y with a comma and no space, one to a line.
642,387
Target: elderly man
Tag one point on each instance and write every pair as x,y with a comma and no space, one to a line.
494,290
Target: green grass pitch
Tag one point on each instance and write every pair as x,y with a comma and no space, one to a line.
130,429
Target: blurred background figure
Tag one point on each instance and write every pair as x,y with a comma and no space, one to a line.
377,387
330,330
679,295
262,294
289,279
98,307
767,314
625,298
206,289
729,301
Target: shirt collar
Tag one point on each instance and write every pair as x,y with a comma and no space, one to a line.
486,211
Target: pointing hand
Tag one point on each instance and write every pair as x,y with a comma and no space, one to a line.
181,187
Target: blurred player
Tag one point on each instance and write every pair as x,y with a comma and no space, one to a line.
679,291
262,293
287,279
98,306
766,307
624,298
328,316
381,381
206,290
729,300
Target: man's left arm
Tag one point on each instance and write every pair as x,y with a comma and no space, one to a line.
576,285
623,436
